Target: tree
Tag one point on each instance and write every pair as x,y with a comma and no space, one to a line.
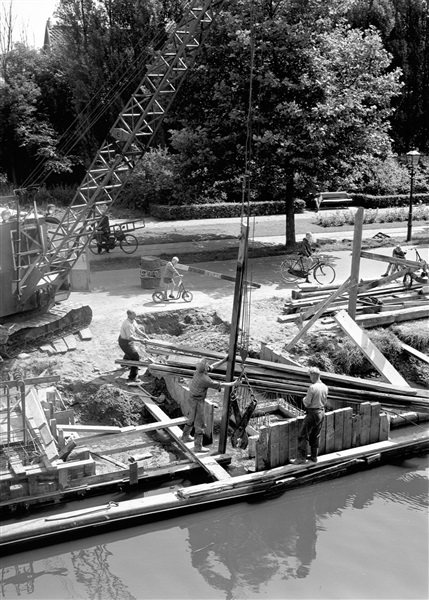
322,96
27,136
404,28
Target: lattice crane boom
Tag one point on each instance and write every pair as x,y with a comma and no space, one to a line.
131,135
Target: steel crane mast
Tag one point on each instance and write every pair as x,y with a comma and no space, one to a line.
128,139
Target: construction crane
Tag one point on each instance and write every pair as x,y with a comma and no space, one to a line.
34,266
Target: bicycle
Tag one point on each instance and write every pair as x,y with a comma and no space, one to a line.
179,292
292,269
412,276
127,242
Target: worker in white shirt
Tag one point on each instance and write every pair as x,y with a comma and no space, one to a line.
130,334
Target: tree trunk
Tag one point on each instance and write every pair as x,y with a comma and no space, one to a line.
290,211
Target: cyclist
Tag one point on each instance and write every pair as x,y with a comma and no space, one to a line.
306,251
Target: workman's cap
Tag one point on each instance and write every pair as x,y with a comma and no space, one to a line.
201,365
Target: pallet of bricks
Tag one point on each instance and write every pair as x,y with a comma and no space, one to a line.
342,429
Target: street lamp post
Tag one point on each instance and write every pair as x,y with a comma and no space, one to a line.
413,158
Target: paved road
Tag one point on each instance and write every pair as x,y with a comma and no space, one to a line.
120,289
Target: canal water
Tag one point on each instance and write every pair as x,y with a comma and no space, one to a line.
364,536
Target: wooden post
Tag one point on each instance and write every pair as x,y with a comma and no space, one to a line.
330,432
276,430
209,420
384,427
365,411
354,275
347,432
293,439
356,429
235,320
284,444
134,473
338,429
322,438
374,429
262,449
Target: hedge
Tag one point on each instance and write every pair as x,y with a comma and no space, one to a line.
368,201
219,210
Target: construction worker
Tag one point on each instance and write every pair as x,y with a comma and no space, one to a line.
397,253
130,334
314,403
200,384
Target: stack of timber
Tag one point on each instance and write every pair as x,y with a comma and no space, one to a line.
284,379
376,306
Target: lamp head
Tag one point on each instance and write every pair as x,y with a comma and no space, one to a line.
413,157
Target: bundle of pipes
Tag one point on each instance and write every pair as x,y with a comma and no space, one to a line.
288,379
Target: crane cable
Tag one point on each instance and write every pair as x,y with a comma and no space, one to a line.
246,197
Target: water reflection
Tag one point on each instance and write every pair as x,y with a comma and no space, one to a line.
235,551
22,578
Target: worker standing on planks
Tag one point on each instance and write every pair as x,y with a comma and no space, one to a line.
200,384
314,403
128,338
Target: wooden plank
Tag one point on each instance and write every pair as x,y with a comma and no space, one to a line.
173,431
414,265
60,346
262,450
415,353
284,443
102,430
36,419
64,417
338,429
373,354
330,432
215,468
356,429
274,452
365,413
347,430
318,312
322,438
48,349
85,334
294,428
374,430
384,427
70,342
393,316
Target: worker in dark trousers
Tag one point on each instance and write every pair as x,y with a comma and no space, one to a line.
392,268
200,384
314,403
130,334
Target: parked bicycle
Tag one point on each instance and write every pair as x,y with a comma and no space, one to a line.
293,268
179,292
127,242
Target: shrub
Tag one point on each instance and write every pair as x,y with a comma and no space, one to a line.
413,334
219,209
